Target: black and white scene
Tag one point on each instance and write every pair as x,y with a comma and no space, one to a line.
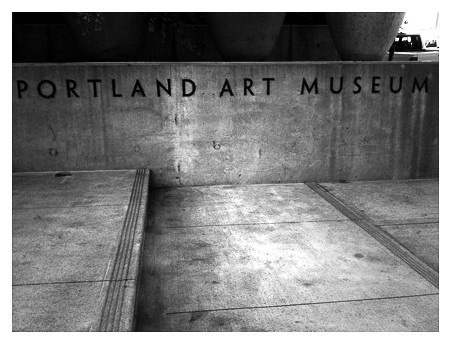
225,171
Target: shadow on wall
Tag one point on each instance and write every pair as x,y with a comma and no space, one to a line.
165,37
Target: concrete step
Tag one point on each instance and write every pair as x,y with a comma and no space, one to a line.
76,249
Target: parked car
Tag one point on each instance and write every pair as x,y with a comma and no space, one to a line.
412,47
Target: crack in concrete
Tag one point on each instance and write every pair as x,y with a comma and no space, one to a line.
301,304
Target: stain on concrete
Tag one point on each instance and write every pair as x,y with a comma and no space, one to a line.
76,225
53,152
216,145
201,244
220,321
195,316
53,133
63,174
358,255
374,259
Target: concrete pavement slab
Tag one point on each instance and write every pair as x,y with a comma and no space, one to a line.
223,267
399,314
56,307
68,245
66,306
389,202
420,239
272,258
223,205
212,194
236,258
408,210
79,248
40,190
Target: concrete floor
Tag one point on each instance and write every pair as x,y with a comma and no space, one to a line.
282,258
74,255
222,258
407,210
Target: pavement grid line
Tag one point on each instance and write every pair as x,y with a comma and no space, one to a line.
364,222
302,304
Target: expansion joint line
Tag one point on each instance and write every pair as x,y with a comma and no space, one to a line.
111,312
364,222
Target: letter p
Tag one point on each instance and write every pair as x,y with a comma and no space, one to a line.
22,86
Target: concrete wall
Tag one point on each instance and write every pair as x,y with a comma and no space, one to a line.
282,134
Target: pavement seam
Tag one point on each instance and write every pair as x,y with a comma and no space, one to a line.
72,206
364,222
256,223
111,312
65,282
384,224
302,304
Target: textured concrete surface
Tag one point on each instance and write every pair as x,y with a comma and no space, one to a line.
67,238
41,190
246,204
366,131
279,258
64,244
386,315
406,209
392,202
55,307
364,36
421,239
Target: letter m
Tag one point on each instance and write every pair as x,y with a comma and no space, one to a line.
416,85
309,88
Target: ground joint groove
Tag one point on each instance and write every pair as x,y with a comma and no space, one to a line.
302,304
364,222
